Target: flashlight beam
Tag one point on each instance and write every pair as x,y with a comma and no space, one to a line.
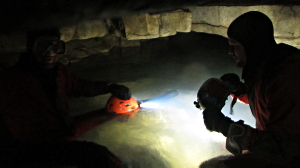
168,95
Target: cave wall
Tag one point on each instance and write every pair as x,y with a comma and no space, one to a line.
215,20
112,36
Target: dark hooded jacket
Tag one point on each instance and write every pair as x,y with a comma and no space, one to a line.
34,103
272,80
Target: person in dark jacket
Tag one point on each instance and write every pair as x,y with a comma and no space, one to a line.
271,74
35,125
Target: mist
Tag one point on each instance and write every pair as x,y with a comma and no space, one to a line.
172,134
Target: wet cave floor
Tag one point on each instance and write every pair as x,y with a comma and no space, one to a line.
172,134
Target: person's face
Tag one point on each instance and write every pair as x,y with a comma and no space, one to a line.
45,56
237,51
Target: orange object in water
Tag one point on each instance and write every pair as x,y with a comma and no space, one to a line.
118,106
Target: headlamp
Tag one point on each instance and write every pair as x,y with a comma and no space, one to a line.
213,92
42,46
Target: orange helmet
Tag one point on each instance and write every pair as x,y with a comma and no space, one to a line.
118,106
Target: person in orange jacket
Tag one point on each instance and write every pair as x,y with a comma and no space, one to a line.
271,74
35,125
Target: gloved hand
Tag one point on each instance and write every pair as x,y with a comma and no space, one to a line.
215,120
234,81
120,91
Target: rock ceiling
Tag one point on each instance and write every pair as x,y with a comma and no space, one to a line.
19,15
134,20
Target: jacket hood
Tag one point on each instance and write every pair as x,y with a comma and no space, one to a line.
254,30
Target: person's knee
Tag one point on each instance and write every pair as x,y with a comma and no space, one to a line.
216,162
96,150
96,154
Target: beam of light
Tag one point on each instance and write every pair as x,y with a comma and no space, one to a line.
165,134
180,133
172,135
150,105
158,101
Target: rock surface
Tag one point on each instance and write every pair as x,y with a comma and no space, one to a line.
215,20
100,35
145,26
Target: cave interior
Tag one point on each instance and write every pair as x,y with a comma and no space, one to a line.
171,135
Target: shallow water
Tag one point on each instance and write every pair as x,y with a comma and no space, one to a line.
171,135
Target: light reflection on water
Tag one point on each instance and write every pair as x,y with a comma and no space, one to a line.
171,136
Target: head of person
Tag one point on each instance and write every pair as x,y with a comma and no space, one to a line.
251,38
45,46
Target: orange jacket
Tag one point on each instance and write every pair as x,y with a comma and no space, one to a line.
275,103
27,112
